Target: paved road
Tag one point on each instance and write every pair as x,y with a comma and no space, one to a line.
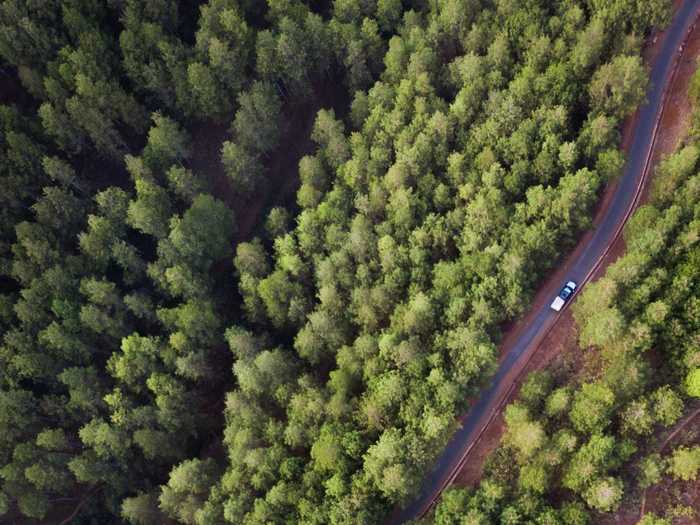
622,201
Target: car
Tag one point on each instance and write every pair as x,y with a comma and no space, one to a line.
564,295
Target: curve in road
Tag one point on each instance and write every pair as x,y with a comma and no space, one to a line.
622,204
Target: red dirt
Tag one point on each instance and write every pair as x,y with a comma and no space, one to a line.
686,432
281,177
668,494
560,346
558,349
207,139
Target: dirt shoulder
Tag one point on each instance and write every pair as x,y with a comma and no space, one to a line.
560,347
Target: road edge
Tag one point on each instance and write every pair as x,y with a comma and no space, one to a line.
618,232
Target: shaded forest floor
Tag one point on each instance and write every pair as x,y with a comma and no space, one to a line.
277,187
559,349
281,180
11,90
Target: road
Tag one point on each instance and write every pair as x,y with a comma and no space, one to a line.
608,229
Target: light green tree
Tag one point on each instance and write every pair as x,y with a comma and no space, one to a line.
651,469
618,87
525,435
187,489
684,463
592,408
652,519
692,383
605,494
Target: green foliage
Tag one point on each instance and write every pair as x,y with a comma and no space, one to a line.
386,466
692,383
652,519
605,494
222,52
673,172
536,388
618,87
241,166
258,124
644,301
141,510
203,234
185,184
534,478
151,210
452,506
167,143
155,58
85,100
277,223
558,402
637,417
592,408
668,406
184,495
651,469
575,514
589,462
314,181
257,129
469,161
523,434
684,463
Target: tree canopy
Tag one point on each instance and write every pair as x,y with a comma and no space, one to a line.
255,257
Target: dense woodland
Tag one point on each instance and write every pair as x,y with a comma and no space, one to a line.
591,432
285,331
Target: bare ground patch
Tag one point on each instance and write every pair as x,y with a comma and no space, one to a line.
281,180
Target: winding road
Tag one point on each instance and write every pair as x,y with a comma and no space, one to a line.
589,258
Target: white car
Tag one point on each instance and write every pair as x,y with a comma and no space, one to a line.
564,295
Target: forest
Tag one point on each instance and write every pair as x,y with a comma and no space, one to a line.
256,257
590,432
